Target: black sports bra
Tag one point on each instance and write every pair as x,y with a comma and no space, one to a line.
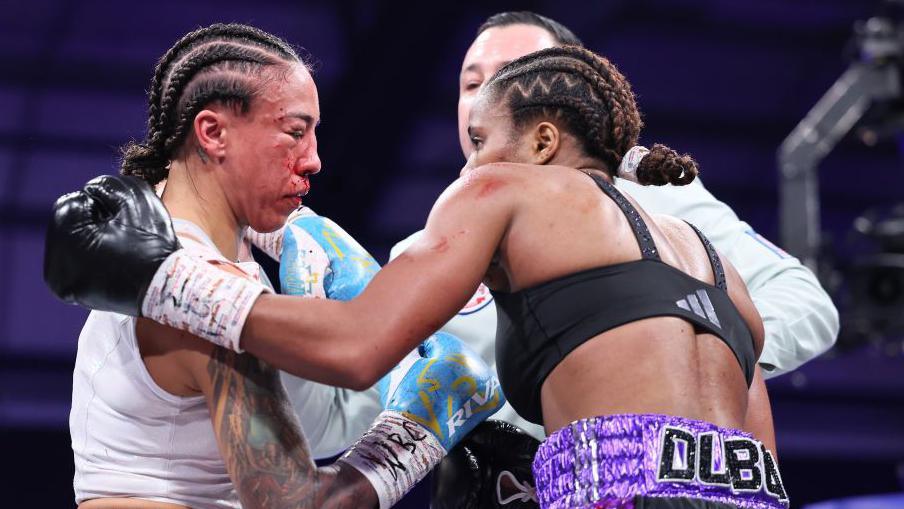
538,326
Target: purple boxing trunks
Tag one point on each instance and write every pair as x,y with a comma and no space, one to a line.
647,461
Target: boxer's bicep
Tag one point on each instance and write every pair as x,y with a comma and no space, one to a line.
464,231
459,241
428,283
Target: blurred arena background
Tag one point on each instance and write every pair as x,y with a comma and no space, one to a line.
725,80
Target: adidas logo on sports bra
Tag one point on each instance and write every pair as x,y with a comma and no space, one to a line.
699,304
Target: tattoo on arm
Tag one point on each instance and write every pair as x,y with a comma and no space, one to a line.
265,451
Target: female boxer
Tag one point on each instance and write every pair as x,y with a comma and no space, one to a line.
163,419
624,334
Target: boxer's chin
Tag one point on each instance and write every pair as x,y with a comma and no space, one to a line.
268,222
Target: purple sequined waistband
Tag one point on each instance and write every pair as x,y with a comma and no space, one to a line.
607,461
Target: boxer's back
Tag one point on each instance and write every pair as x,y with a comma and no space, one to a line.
565,224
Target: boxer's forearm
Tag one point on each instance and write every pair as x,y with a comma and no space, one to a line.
308,338
352,344
343,344
265,453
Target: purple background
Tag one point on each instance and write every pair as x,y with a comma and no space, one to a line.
725,80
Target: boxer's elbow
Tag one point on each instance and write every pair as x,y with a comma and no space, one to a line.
367,362
355,367
342,370
361,374
360,383
366,354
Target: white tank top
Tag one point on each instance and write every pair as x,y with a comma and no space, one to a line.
130,438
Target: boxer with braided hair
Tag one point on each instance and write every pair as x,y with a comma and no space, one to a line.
230,59
797,330
624,334
231,126
591,97
799,317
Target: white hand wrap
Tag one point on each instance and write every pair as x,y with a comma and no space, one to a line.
394,455
271,243
190,294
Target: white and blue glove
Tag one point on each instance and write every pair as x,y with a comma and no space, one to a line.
432,400
319,259
444,386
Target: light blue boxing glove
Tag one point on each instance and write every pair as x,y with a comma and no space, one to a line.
444,386
319,259
432,400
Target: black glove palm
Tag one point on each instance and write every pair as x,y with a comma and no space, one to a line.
490,468
105,242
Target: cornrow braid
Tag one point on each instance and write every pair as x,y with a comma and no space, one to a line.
221,62
242,33
235,59
595,103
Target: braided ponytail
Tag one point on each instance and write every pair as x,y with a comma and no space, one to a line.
665,166
144,162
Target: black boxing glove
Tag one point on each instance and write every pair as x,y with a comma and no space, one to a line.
112,247
490,468
105,242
